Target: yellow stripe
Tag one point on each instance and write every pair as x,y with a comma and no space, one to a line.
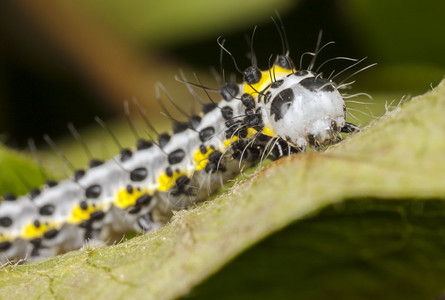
78,215
31,231
268,131
201,159
266,79
125,199
165,182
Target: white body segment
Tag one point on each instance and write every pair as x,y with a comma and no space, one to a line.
273,113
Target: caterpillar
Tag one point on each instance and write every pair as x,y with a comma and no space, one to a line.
271,114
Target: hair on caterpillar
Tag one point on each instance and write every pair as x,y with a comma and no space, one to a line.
271,114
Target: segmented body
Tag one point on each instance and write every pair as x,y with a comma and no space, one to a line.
271,114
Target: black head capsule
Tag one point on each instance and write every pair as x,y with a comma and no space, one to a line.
252,75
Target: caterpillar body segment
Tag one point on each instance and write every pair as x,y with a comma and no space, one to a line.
272,113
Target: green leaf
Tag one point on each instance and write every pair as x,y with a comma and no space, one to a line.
386,242
172,21
18,173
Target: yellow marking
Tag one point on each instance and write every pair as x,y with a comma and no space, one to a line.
79,215
201,159
125,199
266,79
4,237
228,142
165,182
32,231
251,132
268,131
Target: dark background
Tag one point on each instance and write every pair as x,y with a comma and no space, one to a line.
60,63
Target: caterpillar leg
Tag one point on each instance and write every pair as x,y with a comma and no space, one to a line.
350,128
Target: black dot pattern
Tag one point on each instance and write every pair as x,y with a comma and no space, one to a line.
93,191
281,103
139,174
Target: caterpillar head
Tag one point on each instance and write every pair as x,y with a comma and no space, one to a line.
304,109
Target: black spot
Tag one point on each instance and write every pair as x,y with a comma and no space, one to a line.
78,174
95,163
163,139
47,210
5,221
229,91
235,128
311,139
214,163
97,215
281,103
134,210
180,185
5,246
208,107
126,154
179,127
87,225
334,126
301,73
284,61
267,97
93,191
138,174
252,75
262,138
176,156
50,183
33,193
241,150
143,144
50,234
248,112
206,134
194,121
143,200
254,120
248,101
169,172
316,84
227,112
83,205
37,243
203,149
282,148
37,224
9,197
277,84
129,189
